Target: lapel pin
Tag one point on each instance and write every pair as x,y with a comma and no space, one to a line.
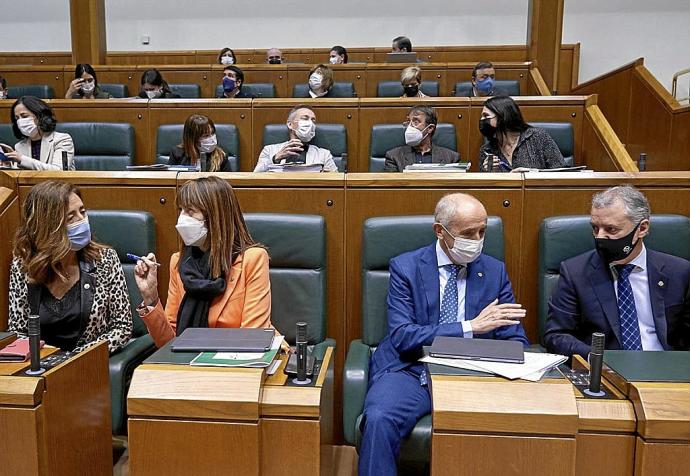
481,275
661,284
87,286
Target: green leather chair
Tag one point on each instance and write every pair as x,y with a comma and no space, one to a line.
186,91
258,90
562,134
297,247
115,90
385,137
7,136
170,135
127,232
511,87
328,136
563,237
384,238
42,91
101,145
339,90
393,89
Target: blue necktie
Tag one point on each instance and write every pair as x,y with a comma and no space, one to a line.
627,313
449,305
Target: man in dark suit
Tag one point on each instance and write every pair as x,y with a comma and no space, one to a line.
639,298
419,130
448,288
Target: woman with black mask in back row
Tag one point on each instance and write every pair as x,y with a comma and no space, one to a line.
513,145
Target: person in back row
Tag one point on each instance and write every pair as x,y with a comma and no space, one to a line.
320,81
401,44
3,88
40,147
513,145
85,84
301,123
153,86
227,56
200,146
419,131
483,77
233,79
274,56
338,55
411,80
448,288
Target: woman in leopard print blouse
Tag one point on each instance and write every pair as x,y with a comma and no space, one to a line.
75,285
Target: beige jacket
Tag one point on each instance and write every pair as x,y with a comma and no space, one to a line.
52,146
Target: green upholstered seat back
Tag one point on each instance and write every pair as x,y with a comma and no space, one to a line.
339,90
562,134
394,89
7,136
384,238
563,237
297,248
100,145
42,91
511,87
258,90
126,231
170,135
186,91
328,136
116,90
385,137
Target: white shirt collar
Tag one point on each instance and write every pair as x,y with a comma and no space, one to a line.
314,95
441,256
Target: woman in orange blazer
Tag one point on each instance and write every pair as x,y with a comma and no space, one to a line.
220,276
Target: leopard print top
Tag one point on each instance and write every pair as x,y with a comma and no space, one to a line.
111,315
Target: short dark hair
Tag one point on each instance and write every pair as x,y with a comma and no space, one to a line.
226,50
430,116
403,42
239,74
44,115
3,83
481,65
508,116
153,76
341,51
85,68
297,108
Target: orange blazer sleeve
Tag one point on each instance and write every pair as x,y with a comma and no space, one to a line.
257,299
161,323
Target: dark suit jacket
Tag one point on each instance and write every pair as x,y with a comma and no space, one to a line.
178,157
414,307
585,302
400,157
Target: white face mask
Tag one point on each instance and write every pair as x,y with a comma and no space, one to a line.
88,88
154,94
208,144
27,126
414,136
315,81
3,94
334,60
227,60
464,251
306,130
192,231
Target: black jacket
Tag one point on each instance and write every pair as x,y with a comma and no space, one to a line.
178,157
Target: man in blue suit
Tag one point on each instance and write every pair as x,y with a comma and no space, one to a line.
639,298
448,288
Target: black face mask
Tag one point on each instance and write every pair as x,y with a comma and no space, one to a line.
616,249
411,90
274,61
486,128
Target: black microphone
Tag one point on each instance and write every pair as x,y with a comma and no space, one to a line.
35,345
301,344
202,161
65,162
343,159
596,362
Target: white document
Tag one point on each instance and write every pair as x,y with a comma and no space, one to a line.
275,345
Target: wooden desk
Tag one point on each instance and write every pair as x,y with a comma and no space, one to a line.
57,423
214,420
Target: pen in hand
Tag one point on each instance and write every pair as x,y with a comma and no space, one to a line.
135,258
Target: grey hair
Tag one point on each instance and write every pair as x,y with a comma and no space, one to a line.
293,111
635,203
447,208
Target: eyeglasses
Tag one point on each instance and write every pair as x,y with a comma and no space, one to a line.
414,123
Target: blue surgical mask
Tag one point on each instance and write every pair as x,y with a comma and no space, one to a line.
486,85
79,234
228,84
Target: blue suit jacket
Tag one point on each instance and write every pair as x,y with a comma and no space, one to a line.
584,302
414,307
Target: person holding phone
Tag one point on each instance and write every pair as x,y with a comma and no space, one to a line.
85,84
40,146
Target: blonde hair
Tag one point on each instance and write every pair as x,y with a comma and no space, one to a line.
195,127
410,73
228,235
41,241
327,74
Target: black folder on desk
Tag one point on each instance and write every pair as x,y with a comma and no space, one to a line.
478,349
207,339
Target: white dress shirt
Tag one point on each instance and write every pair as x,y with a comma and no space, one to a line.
639,281
443,275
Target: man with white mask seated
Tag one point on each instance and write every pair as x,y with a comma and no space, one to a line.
301,125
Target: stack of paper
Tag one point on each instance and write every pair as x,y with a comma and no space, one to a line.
295,167
534,368
456,167
255,360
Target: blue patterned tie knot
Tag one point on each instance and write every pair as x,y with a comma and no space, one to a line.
627,312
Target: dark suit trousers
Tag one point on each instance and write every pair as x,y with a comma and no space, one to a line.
394,404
